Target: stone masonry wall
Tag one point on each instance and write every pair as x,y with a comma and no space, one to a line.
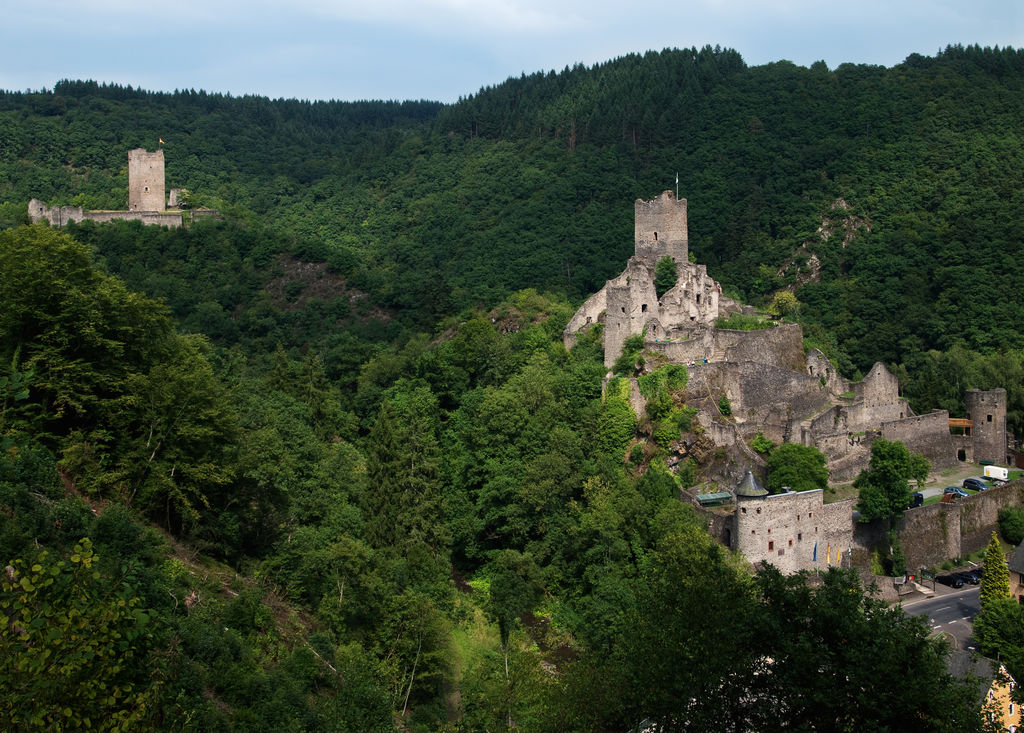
794,531
146,180
932,534
987,409
925,434
589,313
59,216
659,229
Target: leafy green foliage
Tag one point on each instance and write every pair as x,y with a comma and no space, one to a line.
1011,524
800,467
665,275
76,647
885,484
741,322
761,444
995,583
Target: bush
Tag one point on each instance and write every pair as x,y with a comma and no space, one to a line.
1011,524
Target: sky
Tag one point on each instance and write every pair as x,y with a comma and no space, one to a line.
446,49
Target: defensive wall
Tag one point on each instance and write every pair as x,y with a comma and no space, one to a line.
783,529
932,534
925,434
59,216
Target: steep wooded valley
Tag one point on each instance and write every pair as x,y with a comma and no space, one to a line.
322,462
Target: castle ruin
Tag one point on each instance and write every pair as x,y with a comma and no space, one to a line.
146,198
773,387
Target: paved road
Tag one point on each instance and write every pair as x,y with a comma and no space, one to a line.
951,611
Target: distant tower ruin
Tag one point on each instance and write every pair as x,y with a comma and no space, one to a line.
987,410
146,180
659,229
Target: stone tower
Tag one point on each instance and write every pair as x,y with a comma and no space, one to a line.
659,229
145,180
987,409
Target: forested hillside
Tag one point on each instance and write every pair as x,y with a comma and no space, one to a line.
325,463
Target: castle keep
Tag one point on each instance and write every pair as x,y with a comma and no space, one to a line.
774,388
146,198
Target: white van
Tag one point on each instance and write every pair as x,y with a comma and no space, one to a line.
997,472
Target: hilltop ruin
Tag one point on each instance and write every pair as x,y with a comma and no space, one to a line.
773,386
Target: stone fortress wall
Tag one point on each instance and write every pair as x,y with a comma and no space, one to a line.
794,531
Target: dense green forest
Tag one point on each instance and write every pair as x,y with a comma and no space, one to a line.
324,463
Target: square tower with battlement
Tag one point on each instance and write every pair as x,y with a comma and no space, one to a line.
659,229
146,180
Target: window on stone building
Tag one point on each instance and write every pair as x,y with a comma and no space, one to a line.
655,236
759,510
698,298
799,536
769,530
743,510
988,419
771,545
643,308
790,542
810,514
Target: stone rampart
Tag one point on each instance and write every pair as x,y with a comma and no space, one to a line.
932,534
59,216
925,434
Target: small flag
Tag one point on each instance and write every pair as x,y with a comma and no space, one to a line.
815,552
161,140
828,554
839,556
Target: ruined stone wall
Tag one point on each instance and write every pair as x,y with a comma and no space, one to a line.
589,313
987,409
925,434
146,180
660,228
819,367
782,346
59,216
932,534
788,530
690,303
630,303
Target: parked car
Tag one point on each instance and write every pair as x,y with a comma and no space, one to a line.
975,484
976,573
916,499
969,577
953,581
955,490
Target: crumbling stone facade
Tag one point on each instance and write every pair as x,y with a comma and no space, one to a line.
987,410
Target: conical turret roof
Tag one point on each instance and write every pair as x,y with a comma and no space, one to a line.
750,486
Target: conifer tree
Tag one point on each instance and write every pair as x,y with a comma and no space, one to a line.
995,583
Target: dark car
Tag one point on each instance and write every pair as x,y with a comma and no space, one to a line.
916,499
975,484
953,581
956,490
975,573
969,577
